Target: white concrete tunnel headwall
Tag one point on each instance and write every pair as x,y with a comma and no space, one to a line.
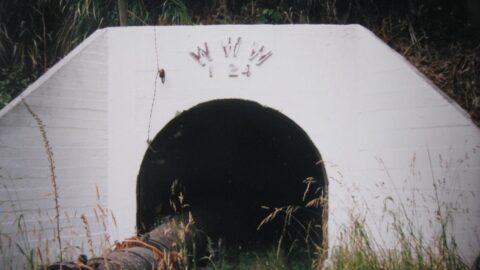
384,135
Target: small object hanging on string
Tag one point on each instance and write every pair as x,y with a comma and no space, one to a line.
161,74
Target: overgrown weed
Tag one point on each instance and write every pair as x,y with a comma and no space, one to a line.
357,249
360,247
33,238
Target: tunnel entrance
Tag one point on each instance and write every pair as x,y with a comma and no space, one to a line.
228,158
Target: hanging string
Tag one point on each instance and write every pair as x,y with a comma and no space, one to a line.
155,84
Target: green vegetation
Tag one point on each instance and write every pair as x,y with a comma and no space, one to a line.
259,260
358,250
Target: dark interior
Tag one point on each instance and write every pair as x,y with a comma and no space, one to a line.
229,158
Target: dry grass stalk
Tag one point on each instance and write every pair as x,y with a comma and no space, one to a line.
309,232
86,226
53,177
102,218
360,247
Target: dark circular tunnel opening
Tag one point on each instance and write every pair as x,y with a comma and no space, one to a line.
229,158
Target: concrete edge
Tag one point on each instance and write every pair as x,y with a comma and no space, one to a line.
52,71
415,70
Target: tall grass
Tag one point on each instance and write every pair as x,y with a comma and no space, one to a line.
406,244
20,241
32,241
358,249
53,176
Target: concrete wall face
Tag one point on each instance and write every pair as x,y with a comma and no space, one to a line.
414,146
71,100
385,133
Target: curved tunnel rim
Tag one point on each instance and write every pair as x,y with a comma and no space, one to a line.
325,209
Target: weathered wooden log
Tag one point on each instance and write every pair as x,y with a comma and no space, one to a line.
154,250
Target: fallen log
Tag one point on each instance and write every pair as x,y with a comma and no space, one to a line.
157,250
